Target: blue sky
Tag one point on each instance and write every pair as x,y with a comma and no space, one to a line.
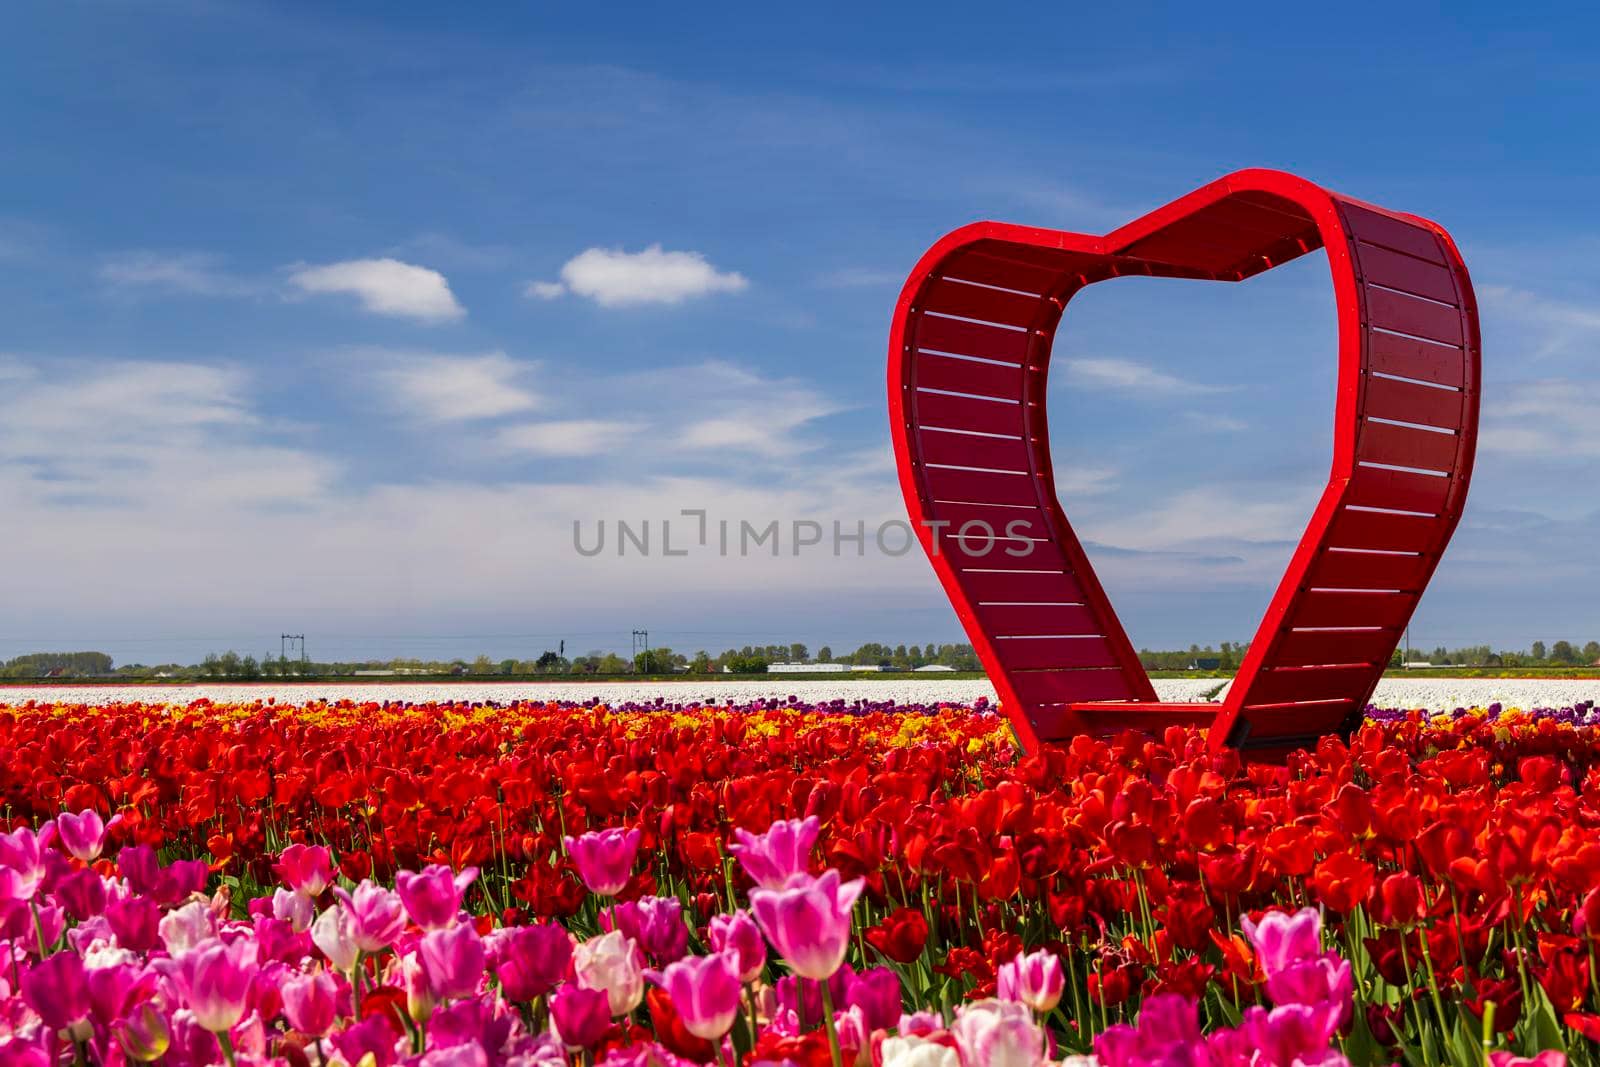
335,322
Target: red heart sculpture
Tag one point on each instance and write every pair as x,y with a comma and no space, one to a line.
968,358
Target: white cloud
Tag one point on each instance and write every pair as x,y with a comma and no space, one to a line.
1125,374
612,277
445,388
385,287
1553,419
566,437
193,273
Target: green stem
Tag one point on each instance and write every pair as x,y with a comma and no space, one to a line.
227,1048
833,1032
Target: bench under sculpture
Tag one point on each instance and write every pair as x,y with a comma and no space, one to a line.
969,356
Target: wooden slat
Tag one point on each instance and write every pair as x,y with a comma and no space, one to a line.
1006,620
1063,687
971,339
1386,398
1406,446
966,450
978,302
1054,259
1015,586
979,487
1011,522
964,553
1378,229
1400,490
1284,684
1373,646
1031,652
1371,529
1408,314
965,413
1394,270
1368,570
975,266
1412,358
1351,609
1297,724
968,376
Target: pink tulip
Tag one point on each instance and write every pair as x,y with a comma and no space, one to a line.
310,1003
1034,979
772,858
580,1016
704,991
433,897
656,923
916,1050
218,981
605,859
1283,939
738,933
296,909
144,1034
333,934
84,835
998,1033
420,997
1548,1058
530,960
23,861
376,915
305,869
809,923
920,1023
453,960
58,990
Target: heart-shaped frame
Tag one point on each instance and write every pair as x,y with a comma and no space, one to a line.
969,353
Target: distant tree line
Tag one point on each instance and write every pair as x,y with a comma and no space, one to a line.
750,659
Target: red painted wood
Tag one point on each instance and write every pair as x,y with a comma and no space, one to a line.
1006,522
1405,309
1006,555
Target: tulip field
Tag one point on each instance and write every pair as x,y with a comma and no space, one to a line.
833,885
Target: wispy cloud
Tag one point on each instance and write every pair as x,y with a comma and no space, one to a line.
191,273
385,287
567,437
612,277
448,388
1553,419
1128,376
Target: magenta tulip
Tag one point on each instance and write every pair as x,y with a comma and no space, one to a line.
453,960
580,1016
530,960
433,897
1034,979
84,835
305,869
58,990
219,984
772,858
605,858
738,933
704,991
23,861
809,923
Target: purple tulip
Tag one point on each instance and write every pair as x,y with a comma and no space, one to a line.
772,858
376,915
580,1016
1034,979
704,991
84,834
738,933
998,1033
605,859
530,960
809,923
58,990
310,1003
453,961
876,991
218,984
656,923
305,869
433,897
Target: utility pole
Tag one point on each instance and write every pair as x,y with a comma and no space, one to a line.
289,641
641,643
